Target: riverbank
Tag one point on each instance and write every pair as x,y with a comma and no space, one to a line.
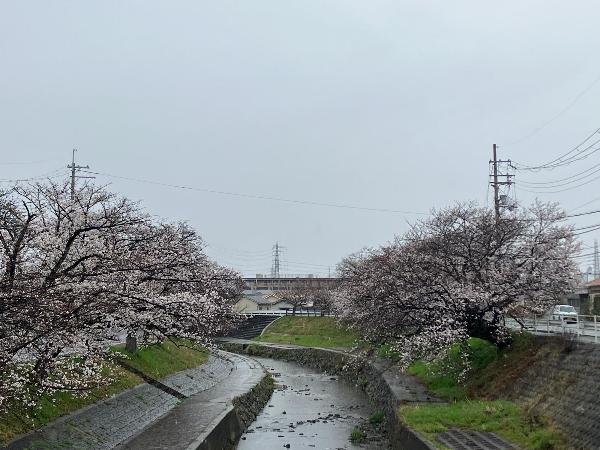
213,403
386,389
151,362
533,424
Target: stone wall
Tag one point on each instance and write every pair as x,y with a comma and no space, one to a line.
370,377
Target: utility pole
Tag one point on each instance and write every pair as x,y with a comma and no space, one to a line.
596,260
74,168
495,184
501,181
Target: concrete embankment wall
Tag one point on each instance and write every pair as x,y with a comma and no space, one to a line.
367,376
229,427
560,379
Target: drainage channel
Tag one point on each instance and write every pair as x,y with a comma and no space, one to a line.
312,410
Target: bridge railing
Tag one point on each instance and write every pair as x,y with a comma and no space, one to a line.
584,327
304,313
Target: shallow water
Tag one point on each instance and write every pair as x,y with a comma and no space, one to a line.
309,410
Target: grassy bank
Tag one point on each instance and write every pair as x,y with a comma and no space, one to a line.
309,332
156,361
504,418
463,379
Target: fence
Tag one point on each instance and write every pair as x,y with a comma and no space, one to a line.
288,312
582,327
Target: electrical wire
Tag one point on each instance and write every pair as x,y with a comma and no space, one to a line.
587,213
597,227
561,161
561,190
559,182
26,163
257,196
560,113
45,176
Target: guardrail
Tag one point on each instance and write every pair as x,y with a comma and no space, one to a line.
584,327
288,313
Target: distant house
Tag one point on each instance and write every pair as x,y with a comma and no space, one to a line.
593,297
252,301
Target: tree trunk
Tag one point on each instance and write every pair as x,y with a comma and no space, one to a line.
131,343
479,327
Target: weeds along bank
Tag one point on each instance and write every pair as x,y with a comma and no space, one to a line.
457,377
542,393
551,377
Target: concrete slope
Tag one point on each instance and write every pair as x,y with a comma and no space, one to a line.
150,416
191,422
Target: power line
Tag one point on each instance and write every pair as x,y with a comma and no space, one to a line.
563,181
560,113
27,163
240,251
596,227
587,213
585,204
296,263
560,161
562,190
45,176
259,197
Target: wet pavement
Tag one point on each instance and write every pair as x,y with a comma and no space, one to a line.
311,410
147,417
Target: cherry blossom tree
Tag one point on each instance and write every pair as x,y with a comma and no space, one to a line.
298,297
457,274
77,273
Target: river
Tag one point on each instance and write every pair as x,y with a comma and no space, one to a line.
311,410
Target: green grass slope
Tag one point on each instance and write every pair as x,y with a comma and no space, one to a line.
156,361
460,379
309,332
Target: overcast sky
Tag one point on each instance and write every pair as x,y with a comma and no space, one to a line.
379,104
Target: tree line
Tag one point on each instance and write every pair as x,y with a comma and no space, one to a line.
460,273
78,272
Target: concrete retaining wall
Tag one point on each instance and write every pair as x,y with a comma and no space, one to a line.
370,378
228,428
562,381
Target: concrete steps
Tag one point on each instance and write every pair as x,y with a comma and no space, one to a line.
252,327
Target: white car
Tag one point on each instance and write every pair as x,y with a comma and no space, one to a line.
565,313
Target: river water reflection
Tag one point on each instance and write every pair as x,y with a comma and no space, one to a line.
309,410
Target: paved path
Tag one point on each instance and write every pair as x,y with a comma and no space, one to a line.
109,422
186,426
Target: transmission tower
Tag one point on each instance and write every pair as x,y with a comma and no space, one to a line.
501,180
74,168
275,267
596,260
